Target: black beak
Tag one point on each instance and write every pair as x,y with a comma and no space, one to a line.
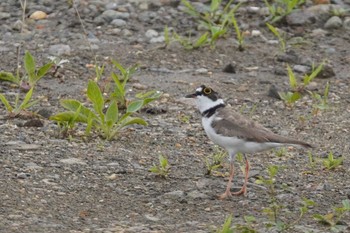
194,95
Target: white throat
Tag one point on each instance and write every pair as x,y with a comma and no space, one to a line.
204,103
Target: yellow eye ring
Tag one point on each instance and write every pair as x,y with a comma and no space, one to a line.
207,91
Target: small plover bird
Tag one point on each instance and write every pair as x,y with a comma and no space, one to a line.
235,133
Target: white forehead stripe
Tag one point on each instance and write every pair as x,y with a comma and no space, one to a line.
199,89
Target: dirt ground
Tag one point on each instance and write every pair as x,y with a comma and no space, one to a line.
53,184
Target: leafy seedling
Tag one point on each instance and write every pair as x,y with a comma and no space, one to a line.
226,228
333,219
331,163
321,101
108,123
239,34
247,227
281,8
162,169
215,160
281,36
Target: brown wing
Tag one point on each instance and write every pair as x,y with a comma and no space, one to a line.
232,124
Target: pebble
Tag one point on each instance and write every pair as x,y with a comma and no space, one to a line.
150,33
195,194
301,69
118,22
59,50
201,71
22,175
346,23
177,194
159,39
300,17
333,23
71,161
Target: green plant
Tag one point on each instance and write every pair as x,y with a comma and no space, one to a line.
247,227
108,123
190,44
280,36
331,163
298,88
162,169
32,76
18,106
281,8
120,81
214,160
334,218
281,152
322,101
239,34
226,228
214,21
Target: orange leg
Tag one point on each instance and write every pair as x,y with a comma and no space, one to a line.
227,193
244,187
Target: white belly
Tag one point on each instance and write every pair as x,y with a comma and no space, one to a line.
234,144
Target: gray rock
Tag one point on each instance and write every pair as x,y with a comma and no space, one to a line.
118,22
346,23
32,166
150,33
110,15
300,17
19,145
177,194
158,39
201,71
4,15
301,69
195,194
22,175
333,23
59,50
71,161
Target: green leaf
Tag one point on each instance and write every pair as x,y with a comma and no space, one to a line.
73,105
120,67
226,228
201,40
26,99
112,114
154,169
7,76
6,103
43,70
309,78
163,161
215,4
95,96
346,204
131,121
135,106
68,117
29,65
273,169
292,80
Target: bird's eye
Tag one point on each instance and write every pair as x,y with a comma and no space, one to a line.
207,91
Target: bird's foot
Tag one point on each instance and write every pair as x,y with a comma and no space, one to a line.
240,192
226,194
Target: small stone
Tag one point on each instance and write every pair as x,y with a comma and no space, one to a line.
59,50
22,175
71,161
158,39
346,23
112,177
139,86
333,23
151,33
4,15
300,17
229,69
33,123
301,69
201,71
37,15
177,194
195,194
151,217
118,22
32,166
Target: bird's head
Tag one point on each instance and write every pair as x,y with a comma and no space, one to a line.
206,98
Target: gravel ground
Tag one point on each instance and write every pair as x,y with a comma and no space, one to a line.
49,183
